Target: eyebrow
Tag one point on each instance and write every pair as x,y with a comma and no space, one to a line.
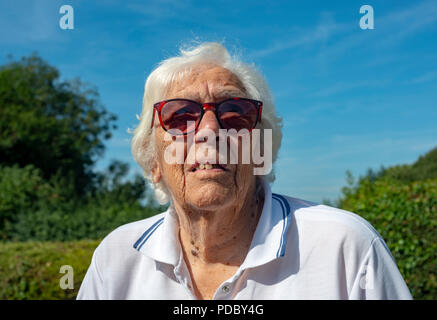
221,95
229,94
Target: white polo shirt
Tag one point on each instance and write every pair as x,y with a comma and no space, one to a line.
300,250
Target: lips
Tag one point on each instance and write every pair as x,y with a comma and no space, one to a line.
207,166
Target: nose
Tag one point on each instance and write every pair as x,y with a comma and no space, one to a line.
209,121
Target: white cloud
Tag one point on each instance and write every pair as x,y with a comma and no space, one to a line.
320,33
427,77
390,29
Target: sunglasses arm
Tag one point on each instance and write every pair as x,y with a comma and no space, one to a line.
153,118
259,114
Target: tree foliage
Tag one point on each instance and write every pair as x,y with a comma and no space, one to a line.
424,168
51,133
57,126
401,203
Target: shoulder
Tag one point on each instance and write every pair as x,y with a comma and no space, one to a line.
322,223
121,241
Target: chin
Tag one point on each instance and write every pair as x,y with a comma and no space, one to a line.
211,196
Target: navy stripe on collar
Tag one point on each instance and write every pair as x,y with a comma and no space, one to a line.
286,223
147,234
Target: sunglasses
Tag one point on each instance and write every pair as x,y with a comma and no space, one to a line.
183,116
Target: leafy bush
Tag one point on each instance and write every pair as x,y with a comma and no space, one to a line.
424,168
91,221
30,270
21,189
405,214
34,209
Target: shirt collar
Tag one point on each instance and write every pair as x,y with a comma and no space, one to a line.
161,240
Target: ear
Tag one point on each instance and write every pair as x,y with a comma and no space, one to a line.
156,173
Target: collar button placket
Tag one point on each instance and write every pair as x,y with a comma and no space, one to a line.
183,277
226,289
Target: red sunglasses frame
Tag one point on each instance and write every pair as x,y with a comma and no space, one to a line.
205,107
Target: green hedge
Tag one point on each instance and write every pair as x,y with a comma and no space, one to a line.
30,270
33,209
91,221
405,214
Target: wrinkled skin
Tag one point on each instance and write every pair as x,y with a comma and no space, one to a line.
217,212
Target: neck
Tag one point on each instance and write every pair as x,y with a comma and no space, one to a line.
220,236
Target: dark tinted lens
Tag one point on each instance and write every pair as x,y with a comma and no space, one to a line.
237,114
181,115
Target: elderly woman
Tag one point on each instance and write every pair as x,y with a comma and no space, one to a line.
225,235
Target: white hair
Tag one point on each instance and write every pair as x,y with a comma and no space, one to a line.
174,69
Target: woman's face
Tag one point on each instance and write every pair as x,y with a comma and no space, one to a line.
191,187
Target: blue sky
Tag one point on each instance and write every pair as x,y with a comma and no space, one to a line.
349,98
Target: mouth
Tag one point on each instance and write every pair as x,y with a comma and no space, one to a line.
208,167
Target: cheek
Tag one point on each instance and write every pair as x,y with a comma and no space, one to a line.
244,174
172,173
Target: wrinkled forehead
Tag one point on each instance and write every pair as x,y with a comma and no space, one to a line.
206,82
